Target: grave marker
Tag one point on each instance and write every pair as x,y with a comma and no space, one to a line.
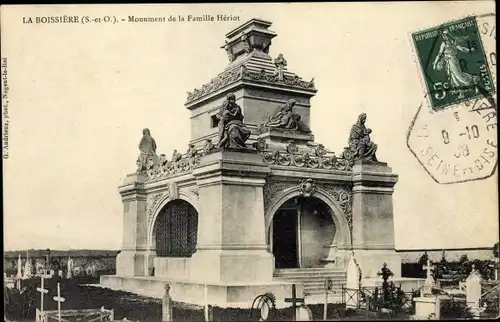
328,287
294,300
19,268
59,300
473,288
42,291
429,283
167,305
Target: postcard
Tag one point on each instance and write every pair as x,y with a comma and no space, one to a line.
279,161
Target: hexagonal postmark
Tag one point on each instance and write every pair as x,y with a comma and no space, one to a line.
459,143
456,145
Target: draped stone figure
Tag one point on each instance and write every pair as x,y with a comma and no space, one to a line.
285,118
232,132
360,144
147,146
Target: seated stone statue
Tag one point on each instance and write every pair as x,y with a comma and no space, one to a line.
285,118
360,144
232,132
147,146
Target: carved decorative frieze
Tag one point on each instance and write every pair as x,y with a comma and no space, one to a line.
319,159
180,163
244,74
152,202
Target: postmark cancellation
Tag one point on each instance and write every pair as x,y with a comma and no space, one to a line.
454,133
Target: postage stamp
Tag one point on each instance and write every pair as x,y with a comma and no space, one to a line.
454,133
453,62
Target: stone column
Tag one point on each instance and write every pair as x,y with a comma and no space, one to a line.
372,218
231,230
131,260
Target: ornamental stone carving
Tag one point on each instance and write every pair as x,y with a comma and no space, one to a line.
319,160
196,191
153,200
209,146
229,50
307,187
179,164
271,190
243,73
343,196
260,145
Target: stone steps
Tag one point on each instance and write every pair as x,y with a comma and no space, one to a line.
313,279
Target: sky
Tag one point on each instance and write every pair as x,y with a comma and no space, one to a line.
80,95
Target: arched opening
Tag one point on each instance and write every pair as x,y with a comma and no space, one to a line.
176,229
302,229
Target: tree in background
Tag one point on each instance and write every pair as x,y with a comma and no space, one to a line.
423,259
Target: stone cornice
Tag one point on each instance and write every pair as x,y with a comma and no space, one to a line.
373,190
374,179
219,179
234,77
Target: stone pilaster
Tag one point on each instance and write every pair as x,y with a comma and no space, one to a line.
372,216
231,230
131,261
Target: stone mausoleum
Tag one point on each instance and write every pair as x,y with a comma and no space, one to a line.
254,204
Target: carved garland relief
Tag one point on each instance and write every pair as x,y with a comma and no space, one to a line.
343,196
152,201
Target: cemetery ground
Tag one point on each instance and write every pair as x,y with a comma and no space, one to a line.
139,308
81,292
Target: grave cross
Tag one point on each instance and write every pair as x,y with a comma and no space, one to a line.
59,300
428,268
280,63
294,300
42,291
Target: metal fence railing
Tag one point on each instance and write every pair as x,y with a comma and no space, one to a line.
372,299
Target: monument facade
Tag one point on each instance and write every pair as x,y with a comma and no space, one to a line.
254,197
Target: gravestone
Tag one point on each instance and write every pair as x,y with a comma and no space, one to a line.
427,306
429,283
19,268
353,281
473,288
167,305
69,273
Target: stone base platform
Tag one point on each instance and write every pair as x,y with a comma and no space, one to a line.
237,294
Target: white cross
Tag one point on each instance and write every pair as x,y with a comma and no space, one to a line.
428,268
59,300
42,291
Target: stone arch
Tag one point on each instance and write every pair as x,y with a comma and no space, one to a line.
180,233
161,204
343,233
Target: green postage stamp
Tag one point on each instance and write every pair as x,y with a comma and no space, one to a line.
453,63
